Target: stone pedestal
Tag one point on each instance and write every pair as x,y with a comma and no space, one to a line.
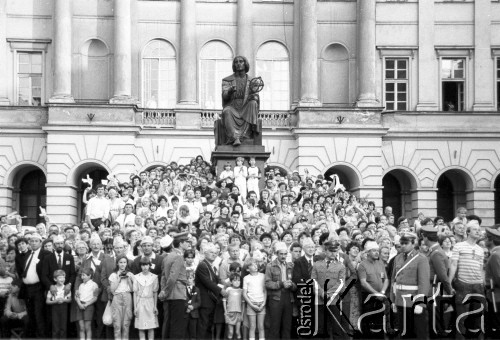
229,153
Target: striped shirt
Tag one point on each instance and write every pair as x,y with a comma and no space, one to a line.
470,262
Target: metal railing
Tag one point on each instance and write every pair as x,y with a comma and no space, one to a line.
159,118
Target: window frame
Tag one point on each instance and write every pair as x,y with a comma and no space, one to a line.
143,76
288,60
217,82
396,81
29,46
461,52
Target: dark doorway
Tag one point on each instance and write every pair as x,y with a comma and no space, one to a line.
391,195
445,198
33,194
97,175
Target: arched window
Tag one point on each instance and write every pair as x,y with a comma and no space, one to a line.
216,60
335,75
33,195
94,71
159,75
273,65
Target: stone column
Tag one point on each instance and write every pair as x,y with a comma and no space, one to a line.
62,52
428,82
6,193
188,55
481,202
296,54
308,54
424,200
245,32
62,202
366,54
483,62
4,96
123,54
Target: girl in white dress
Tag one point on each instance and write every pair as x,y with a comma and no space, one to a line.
145,297
240,177
253,177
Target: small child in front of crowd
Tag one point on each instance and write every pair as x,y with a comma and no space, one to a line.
193,303
233,306
14,313
59,300
85,298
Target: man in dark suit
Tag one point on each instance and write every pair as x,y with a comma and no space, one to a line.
280,288
58,260
439,266
93,261
207,281
302,269
29,268
173,288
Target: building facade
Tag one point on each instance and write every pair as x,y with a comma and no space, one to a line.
398,97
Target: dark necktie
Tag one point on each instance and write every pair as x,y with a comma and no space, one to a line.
59,261
405,256
328,263
309,265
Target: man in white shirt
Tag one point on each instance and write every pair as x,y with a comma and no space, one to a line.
195,207
128,217
98,208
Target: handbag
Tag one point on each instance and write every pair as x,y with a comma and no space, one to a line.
107,317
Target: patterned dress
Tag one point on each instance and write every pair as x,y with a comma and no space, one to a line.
144,288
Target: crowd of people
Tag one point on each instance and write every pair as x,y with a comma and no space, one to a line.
179,252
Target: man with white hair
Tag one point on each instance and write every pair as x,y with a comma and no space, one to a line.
280,288
29,269
93,261
303,265
373,278
208,283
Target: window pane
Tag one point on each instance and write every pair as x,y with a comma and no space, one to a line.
401,97
389,96
401,87
389,74
402,106
402,74
389,64
389,87
389,106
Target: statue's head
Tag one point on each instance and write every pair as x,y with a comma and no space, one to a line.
247,64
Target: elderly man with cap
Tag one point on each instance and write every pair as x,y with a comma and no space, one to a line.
173,289
439,265
374,281
280,288
411,284
332,271
492,276
147,252
467,260
29,270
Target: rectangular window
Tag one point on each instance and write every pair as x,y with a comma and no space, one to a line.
453,84
396,84
159,83
29,78
212,73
